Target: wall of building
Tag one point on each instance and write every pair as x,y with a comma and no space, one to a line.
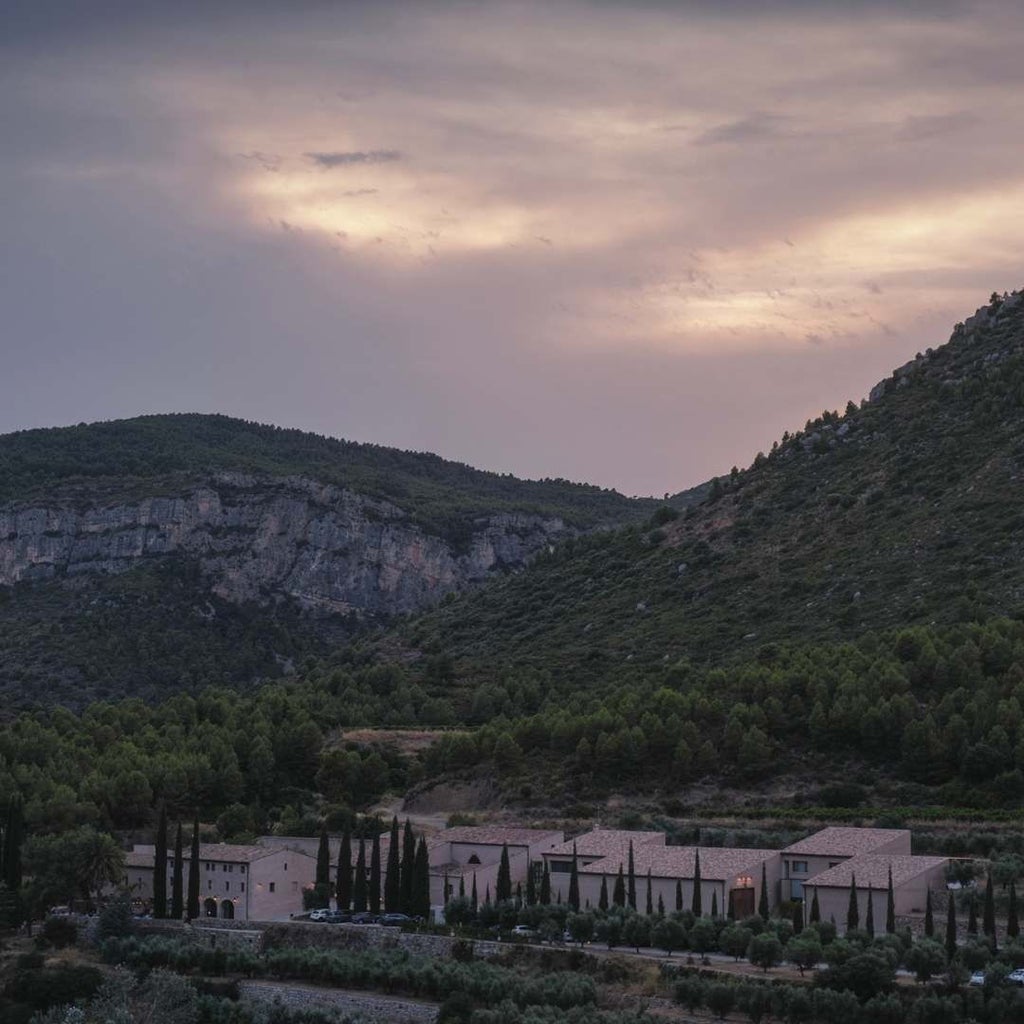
909,899
290,872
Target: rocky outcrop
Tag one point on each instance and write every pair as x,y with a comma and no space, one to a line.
256,538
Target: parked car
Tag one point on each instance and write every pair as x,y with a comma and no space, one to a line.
396,920
338,917
1016,977
977,978
320,914
524,931
365,917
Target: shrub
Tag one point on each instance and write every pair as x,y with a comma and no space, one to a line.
60,931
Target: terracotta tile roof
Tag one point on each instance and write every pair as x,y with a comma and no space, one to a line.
838,841
496,835
872,869
720,863
231,853
608,842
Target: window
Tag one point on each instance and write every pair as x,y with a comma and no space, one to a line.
796,891
799,867
227,887
242,868
223,867
271,886
286,865
560,867
209,884
242,884
473,860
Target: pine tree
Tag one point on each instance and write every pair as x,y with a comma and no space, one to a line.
763,905
714,904
531,886
343,885
602,900
649,909
890,907
421,881
408,867
631,879
503,884
393,873
574,882
473,900
972,916
359,882
798,918
679,896
160,866
815,915
989,915
177,879
1012,923
951,928
192,911
929,918
619,889
374,895
853,911
322,886
544,897
869,919
696,904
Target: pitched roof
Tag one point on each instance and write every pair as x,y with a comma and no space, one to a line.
497,835
721,863
872,870
608,842
839,841
230,853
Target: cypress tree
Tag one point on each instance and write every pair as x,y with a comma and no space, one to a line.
929,917
619,889
503,884
602,900
444,891
631,879
192,911
679,896
531,886
853,911
473,900
374,899
408,867
1012,923
869,919
177,878
798,918
519,895
574,882
421,881
544,896
815,909
160,866
393,873
972,916
890,907
989,916
951,928
730,912
714,904
661,906
462,887
322,887
763,905
696,904
343,885
650,895
487,894
359,882
11,872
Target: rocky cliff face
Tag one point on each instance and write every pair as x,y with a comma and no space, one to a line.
256,538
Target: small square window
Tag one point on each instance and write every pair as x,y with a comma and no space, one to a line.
271,886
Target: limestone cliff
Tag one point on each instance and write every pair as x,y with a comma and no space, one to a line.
257,538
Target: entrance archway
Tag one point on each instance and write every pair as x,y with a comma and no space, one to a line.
227,909
210,907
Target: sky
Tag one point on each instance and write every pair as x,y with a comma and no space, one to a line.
626,243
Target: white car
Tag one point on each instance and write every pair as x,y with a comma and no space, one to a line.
977,978
524,931
318,915
1016,977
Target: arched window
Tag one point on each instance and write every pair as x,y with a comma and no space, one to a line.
473,860
227,909
210,907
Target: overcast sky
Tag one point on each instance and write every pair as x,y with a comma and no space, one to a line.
630,243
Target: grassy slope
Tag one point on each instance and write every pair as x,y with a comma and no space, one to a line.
905,511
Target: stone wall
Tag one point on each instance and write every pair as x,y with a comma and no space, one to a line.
365,1006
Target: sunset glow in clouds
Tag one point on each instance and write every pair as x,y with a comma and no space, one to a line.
630,243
